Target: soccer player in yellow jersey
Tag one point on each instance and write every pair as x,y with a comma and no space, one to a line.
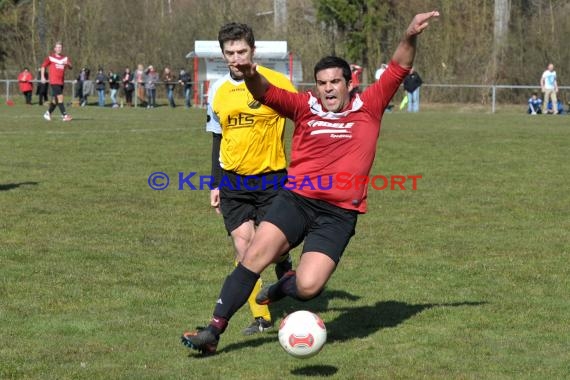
248,155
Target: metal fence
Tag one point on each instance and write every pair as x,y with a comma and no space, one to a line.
10,90
489,98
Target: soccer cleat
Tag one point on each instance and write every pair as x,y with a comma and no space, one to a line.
202,340
273,293
283,266
67,118
257,326
47,116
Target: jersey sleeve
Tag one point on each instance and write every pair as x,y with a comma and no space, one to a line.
46,62
381,92
285,102
212,120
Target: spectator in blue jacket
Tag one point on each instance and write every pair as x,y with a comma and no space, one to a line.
534,104
100,85
559,108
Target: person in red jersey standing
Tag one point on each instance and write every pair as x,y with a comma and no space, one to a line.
56,63
25,79
336,132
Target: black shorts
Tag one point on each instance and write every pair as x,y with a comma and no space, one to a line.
326,228
244,198
56,89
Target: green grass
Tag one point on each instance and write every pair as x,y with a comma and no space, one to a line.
466,278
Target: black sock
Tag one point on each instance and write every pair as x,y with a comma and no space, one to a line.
51,107
61,108
287,286
234,294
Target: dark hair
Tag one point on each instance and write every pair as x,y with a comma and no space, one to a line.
332,62
235,32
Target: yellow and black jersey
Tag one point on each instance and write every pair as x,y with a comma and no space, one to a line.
252,134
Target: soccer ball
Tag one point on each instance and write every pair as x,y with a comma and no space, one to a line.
302,334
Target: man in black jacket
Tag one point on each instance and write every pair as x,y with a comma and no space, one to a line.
412,84
186,81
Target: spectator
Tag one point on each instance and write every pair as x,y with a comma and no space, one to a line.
87,88
100,85
412,84
169,82
534,104
186,82
25,83
559,108
79,82
42,88
380,71
139,80
128,86
356,71
150,79
114,85
549,86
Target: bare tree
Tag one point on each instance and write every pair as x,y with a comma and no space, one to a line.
500,34
475,41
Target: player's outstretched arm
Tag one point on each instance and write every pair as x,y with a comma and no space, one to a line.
406,50
255,82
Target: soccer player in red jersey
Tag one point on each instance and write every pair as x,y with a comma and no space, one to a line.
336,131
56,63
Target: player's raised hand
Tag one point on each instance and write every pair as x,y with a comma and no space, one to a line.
420,22
247,68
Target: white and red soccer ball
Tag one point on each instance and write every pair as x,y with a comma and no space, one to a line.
302,334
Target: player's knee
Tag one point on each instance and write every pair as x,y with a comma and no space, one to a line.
241,246
308,288
257,259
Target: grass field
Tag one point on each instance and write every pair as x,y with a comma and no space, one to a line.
465,278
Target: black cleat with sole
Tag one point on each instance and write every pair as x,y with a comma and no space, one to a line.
202,340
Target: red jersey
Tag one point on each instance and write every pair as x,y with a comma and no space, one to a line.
331,152
25,81
57,65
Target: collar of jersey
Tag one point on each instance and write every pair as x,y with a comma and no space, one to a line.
233,81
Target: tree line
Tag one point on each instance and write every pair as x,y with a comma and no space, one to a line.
474,41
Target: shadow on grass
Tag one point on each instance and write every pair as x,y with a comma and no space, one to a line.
359,322
12,186
353,322
315,370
